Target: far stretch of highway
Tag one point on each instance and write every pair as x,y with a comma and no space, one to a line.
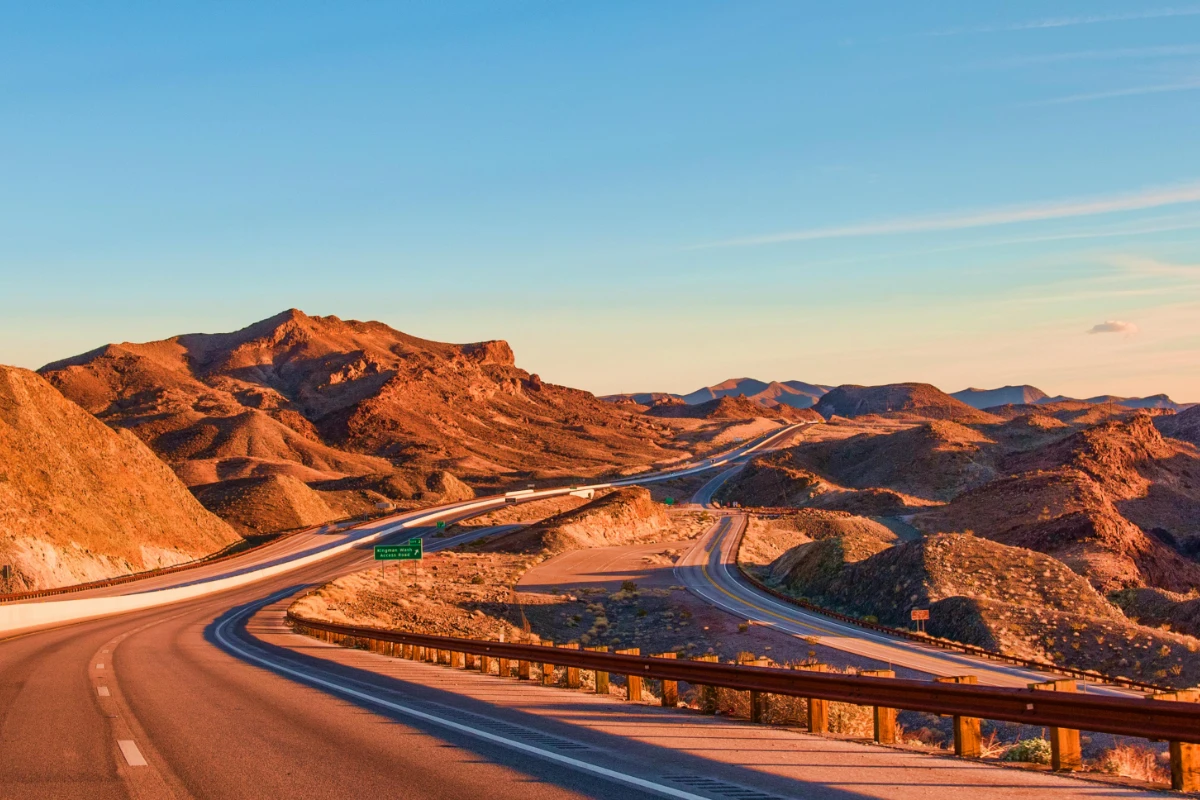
709,570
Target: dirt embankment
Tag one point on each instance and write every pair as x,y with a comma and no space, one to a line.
624,516
80,502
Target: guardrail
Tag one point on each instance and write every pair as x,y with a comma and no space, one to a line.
932,641
1064,711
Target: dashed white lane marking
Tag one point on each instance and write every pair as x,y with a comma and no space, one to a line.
103,691
129,749
99,666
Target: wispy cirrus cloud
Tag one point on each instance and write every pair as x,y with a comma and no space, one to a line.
1119,53
1065,22
1115,326
1132,201
1132,91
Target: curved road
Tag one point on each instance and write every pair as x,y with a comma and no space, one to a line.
709,570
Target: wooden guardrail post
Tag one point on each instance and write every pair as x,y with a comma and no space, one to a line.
968,741
407,652
670,689
601,677
505,667
758,700
457,659
1065,754
633,683
573,679
485,663
469,660
522,670
547,667
1185,756
706,696
818,709
885,718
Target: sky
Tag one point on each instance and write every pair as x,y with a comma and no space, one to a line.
638,196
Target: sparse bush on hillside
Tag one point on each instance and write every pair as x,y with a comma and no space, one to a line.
1031,751
1136,761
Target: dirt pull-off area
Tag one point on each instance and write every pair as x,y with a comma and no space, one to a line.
472,593
81,502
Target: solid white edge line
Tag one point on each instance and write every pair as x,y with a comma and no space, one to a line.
584,766
133,756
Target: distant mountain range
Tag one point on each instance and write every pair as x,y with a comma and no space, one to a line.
1030,395
799,394
796,394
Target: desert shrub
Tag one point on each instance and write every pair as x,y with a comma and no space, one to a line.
1031,751
1135,761
851,720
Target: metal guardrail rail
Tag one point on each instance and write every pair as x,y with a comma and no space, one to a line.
943,644
1141,717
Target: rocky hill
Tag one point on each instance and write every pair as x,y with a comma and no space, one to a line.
1154,482
934,461
80,502
1184,426
322,399
783,478
1005,395
1066,514
912,400
988,594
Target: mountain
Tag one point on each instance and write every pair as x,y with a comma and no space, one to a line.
906,400
80,502
324,399
797,394
1160,401
1005,395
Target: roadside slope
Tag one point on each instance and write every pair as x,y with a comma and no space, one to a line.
81,502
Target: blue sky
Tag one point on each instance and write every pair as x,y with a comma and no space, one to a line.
638,196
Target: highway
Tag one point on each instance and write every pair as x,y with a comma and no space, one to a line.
211,697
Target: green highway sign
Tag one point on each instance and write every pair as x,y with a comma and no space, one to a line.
441,524
413,550
670,501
